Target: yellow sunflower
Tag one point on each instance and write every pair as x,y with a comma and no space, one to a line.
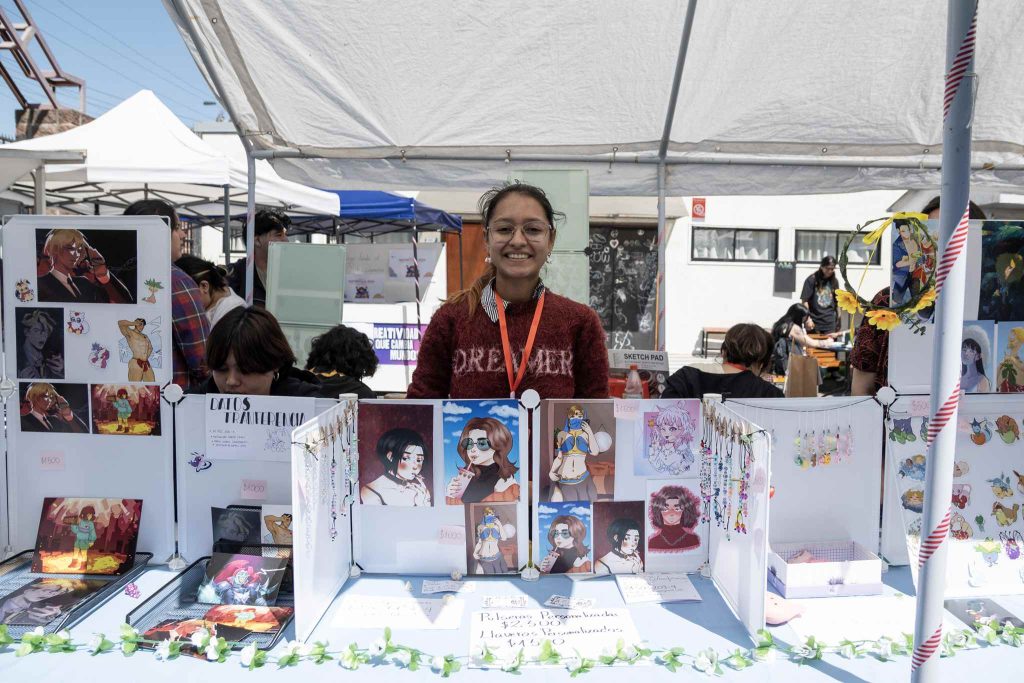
847,301
883,319
927,299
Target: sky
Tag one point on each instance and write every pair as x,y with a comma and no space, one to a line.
119,47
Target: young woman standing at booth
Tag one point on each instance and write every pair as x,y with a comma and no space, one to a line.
477,341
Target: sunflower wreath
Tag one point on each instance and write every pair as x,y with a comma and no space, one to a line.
888,317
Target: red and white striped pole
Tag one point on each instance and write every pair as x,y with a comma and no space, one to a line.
958,104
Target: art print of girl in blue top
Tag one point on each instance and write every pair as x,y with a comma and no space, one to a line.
490,548
668,438
570,476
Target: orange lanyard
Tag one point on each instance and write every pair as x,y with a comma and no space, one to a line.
507,347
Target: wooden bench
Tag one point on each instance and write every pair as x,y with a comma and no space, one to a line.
705,337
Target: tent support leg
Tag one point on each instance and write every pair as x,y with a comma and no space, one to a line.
227,226
659,303
40,194
250,224
950,284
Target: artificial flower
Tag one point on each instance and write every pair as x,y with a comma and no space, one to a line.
706,661
293,647
877,233
884,648
883,319
377,647
64,636
163,651
847,301
349,659
95,643
23,649
628,652
437,663
200,638
402,658
247,654
927,299
212,652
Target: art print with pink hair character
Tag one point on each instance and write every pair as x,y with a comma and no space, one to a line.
668,443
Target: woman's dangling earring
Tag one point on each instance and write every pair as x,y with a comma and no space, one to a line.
487,259
277,375
548,259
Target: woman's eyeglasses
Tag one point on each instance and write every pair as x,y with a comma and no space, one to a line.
533,232
561,533
483,443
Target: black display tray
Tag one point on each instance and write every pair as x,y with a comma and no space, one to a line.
16,571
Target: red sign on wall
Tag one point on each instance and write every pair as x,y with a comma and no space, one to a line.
700,205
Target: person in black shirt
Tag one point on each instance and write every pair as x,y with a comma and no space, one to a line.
746,353
819,295
340,358
269,226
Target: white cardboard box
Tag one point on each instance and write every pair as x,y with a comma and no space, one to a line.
846,568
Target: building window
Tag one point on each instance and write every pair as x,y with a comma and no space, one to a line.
814,245
734,244
623,283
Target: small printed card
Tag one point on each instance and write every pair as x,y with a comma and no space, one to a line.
564,602
504,601
656,588
446,586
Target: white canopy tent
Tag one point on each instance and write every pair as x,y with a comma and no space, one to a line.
775,98
140,148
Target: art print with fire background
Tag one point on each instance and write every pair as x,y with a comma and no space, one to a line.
87,535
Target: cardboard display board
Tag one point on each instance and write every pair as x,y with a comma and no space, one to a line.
87,327
413,536
987,527
322,474
204,483
817,500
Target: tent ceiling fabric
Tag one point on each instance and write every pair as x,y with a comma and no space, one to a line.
141,141
855,86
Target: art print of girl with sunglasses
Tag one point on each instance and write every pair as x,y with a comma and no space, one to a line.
567,536
570,477
489,476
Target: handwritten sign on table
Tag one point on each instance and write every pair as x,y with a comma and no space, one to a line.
253,427
587,631
374,611
656,588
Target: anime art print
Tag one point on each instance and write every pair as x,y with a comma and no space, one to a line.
977,357
619,537
44,600
565,542
676,536
182,630
86,266
236,525
578,461
481,447
491,543
40,339
1009,361
126,409
242,580
276,526
56,408
913,258
87,535
396,456
668,439
1002,271
255,619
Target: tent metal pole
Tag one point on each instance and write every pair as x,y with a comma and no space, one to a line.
226,241
659,304
40,194
677,79
187,19
950,282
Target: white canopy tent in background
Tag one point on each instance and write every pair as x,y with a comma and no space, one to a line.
140,148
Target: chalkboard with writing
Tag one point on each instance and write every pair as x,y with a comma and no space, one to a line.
623,275
785,277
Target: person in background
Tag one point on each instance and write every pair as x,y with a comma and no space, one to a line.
340,358
746,355
869,359
819,296
190,326
789,333
270,226
217,297
249,354
480,339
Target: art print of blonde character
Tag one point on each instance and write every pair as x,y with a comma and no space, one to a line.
61,238
41,390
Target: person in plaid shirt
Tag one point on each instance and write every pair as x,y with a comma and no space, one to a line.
191,328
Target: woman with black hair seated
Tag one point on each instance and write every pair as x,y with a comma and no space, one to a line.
248,353
790,333
214,291
340,358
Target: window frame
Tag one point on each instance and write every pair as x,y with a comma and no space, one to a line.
704,259
844,234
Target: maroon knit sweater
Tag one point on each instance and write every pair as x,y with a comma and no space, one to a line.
461,356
